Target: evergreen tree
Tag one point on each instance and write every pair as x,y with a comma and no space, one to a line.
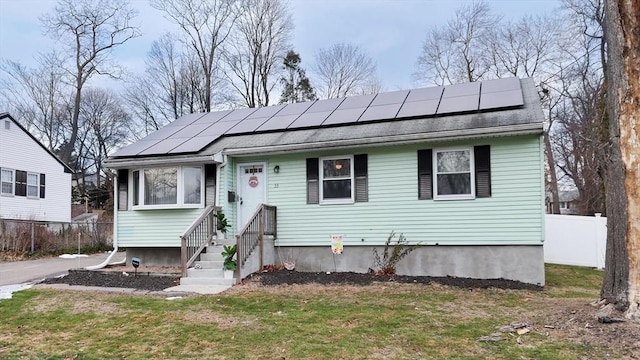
296,87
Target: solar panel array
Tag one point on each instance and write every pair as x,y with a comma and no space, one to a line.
191,133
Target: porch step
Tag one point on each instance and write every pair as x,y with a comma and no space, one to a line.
206,264
208,273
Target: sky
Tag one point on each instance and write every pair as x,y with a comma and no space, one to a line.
390,31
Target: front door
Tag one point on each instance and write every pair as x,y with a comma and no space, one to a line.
252,185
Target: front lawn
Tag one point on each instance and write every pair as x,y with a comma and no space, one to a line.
380,321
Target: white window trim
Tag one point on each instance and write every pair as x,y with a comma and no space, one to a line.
350,200
13,182
37,185
179,189
472,170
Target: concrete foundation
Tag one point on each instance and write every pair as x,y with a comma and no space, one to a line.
523,263
520,263
155,256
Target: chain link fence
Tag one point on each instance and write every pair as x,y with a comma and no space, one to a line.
25,236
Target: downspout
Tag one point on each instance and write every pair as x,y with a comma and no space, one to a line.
222,161
115,231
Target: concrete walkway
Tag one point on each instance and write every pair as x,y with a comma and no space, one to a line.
19,272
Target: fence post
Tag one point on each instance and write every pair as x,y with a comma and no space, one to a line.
600,252
33,236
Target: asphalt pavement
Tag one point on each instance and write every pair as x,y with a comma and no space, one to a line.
19,272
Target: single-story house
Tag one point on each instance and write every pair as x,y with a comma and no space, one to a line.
34,184
457,169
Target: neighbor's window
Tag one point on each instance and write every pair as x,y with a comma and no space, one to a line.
160,186
336,177
32,185
6,178
454,169
167,187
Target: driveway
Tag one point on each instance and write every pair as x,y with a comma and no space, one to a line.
19,272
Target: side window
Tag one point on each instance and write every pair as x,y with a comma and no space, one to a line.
453,174
33,188
6,181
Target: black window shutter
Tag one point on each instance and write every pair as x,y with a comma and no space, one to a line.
360,165
482,155
21,183
42,182
210,184
313,188
425,178
123,189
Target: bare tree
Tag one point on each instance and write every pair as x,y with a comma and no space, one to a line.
342,70
459,51
621,286
258,44
38,97
90,30
206,24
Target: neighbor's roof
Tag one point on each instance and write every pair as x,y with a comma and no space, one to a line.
485,108
67,169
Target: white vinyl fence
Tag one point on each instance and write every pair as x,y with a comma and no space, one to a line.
575,240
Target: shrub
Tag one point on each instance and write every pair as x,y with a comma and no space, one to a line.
392,254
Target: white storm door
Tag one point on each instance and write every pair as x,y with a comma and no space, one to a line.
252,186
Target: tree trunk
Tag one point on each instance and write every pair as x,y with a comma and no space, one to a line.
553,178
622,277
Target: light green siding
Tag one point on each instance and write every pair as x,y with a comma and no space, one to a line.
512,215
154,228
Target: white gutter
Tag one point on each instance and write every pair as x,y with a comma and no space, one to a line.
221,159
128,163
115,231
525,129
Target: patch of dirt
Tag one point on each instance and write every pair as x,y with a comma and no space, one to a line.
208,317
282,277
117,279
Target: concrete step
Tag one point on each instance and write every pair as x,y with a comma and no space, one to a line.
206,281
205,264
212,256
212,273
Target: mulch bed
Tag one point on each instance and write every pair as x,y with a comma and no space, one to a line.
158,282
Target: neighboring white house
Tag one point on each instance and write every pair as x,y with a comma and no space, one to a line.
34,183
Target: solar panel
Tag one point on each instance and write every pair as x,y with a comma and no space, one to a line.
238,114
296,108
344,116
247,125
310,119
325,105
279,122
190,131
194,144
418,108
266,112
500,85
186,119
136,147
355,102
429,93
394,97
163,147
380,112
458,104
213,117
500,99
466,89
163,132
218,128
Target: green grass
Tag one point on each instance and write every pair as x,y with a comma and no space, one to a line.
384,321
564,276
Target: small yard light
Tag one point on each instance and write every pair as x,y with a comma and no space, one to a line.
135,261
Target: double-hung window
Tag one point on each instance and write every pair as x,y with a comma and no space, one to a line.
454,174
6,181
454,169
32,185
336,179
167,187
